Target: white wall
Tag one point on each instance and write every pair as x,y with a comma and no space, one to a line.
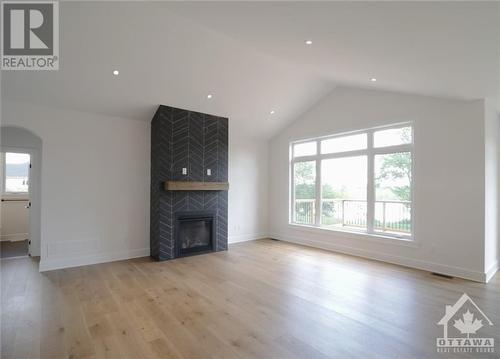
449,178
14,221
492,170
248,184
96,180
95,184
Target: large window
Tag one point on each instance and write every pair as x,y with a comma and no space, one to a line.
16,168
360,182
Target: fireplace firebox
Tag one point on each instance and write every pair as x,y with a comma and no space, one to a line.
194,232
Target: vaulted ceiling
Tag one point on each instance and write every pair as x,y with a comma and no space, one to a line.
253,59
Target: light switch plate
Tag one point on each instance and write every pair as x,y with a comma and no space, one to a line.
184,171
209,172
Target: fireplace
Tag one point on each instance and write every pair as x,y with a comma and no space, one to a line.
189,175
194,232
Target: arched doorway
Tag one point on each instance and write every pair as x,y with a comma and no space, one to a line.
17,144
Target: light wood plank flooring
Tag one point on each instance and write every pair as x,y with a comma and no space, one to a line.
261,299
9,249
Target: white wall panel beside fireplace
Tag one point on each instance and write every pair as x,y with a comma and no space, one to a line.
248,194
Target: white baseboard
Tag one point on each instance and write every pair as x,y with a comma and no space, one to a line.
60,263
48,264
492,271
403,261
246,237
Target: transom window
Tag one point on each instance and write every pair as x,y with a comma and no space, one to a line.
359,182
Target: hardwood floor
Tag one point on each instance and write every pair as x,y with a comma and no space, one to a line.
9,249
261,299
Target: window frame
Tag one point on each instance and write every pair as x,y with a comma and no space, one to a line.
370,152
4,192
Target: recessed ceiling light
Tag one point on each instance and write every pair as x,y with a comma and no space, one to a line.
209,96
308,42
272,112
116,72
373,79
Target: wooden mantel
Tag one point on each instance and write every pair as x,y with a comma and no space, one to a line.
196,186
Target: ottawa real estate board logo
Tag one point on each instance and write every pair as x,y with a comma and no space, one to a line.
30,35
462,323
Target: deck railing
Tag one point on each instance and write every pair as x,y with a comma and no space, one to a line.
390,216
305,211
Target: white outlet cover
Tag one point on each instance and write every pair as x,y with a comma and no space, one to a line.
184,171
209,172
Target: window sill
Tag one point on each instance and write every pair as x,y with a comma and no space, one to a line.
353,234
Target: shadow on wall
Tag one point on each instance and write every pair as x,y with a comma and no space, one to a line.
13,137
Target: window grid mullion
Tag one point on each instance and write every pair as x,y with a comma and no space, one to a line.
370,200
317,218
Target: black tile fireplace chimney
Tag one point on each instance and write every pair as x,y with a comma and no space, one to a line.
187,146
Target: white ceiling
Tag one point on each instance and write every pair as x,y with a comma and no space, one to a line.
252,56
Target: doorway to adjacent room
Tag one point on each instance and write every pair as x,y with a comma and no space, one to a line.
15,168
